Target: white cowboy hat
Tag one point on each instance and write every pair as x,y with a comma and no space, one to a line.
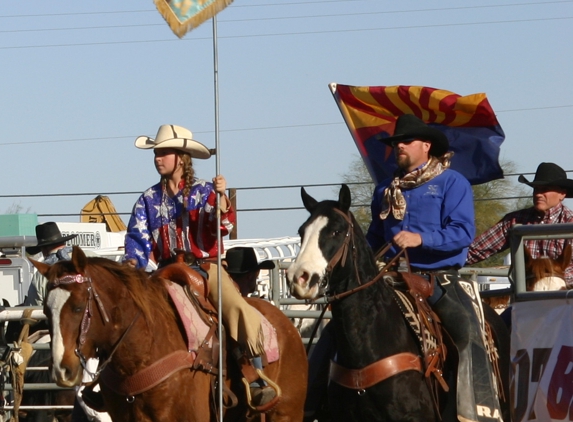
176,137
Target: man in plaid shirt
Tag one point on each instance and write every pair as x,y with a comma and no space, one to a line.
550,188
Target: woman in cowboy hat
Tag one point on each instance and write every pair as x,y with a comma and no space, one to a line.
550,187
180,214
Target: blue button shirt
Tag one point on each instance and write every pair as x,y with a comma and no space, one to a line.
441,211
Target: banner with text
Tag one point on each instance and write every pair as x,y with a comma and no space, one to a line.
542,360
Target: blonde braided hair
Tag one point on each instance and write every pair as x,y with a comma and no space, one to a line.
188,173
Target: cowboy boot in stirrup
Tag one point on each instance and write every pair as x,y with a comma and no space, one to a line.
262,393
477,398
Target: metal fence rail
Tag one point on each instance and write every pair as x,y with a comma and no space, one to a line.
278,293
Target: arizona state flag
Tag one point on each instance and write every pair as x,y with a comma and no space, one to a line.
469,122
185,15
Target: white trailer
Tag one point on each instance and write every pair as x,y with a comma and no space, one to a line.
16,271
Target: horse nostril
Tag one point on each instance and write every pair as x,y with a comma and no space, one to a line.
303,278
68,373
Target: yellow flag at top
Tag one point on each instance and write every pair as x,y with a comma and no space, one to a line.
185,15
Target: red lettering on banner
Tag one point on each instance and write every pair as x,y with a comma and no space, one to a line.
561,385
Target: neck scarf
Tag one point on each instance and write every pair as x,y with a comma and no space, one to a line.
393,200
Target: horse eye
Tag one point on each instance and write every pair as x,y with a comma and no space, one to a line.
335,233
78,309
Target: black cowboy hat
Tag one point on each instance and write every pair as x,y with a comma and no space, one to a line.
241,260
550,174
48,234
409,126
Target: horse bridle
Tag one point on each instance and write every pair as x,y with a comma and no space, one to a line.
341,256
86,318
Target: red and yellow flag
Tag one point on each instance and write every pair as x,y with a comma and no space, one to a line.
469,122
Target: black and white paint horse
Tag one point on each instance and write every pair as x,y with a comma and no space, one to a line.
369,326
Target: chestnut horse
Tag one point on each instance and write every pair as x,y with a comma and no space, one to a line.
370,329
545,273
542,274
99,308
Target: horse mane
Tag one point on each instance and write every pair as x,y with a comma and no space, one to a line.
149,294
544,266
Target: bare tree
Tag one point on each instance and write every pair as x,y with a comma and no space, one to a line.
361,187
17,208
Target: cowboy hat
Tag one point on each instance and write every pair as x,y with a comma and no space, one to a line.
176,137
409,127
48,234
550,174
241,260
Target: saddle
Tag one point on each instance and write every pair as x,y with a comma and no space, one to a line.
411,293
204,357
196,290
188,278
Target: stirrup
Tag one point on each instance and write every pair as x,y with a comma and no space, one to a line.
271,385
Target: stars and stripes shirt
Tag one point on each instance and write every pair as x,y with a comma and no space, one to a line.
496,238
159,224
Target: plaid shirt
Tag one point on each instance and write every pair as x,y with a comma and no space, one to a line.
496,239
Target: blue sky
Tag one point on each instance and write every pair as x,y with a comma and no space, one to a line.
81,80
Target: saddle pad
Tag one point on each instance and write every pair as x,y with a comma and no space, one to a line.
405,302
196,329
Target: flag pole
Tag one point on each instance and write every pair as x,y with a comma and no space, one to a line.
220,378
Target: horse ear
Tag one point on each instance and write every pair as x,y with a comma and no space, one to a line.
308,201
344,198
40,266
79,259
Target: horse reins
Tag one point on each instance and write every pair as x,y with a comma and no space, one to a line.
382,369
342,254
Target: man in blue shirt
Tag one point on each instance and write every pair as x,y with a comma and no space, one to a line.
428,208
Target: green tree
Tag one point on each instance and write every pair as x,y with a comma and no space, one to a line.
492,200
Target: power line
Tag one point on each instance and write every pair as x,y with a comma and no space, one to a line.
236,6
290,33
114,12
334,15
196,132
297,186
250,129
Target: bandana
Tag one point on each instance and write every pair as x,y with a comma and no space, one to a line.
393,200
